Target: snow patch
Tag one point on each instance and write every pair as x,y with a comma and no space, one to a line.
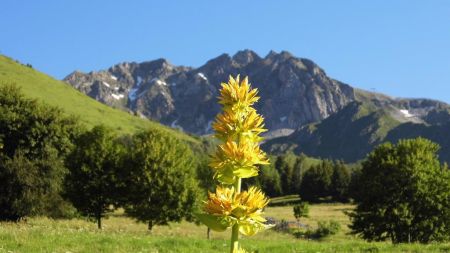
117,96
116,88
113,78
174,125
161,82
202,76
157,81
406,113
106,84
283,119
132,95
209,126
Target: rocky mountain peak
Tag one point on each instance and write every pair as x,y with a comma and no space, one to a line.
293,91
221,60
245,57
280,57
271,54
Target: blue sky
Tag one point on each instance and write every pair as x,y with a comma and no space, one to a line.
401,47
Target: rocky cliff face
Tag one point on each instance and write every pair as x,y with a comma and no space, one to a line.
305,110
294,91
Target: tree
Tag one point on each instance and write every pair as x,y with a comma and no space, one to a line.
301,210
403,194
285,166
35,140
94,164
162,185
269,180
316,181
340,182
206,181
297,174
205,173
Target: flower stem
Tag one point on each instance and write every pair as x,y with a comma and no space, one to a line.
235,229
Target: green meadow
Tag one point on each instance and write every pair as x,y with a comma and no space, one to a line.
121,234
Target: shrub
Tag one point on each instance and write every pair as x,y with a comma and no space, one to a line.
301,210
282,226
327,228
324,229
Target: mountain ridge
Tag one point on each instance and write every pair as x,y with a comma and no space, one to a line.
161,92
305,109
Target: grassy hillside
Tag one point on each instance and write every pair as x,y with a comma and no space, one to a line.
37,85
349,134
355,130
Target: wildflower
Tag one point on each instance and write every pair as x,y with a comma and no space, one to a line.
221,202
238,127
237,160
240,250
244,208
244,205
229,126
238,95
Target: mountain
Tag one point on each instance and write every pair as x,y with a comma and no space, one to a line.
304,109
294,91
355,130
53,92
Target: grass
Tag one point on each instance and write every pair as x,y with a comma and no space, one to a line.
121,234
35,84
285,200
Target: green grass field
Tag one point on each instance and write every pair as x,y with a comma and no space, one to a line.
35,84
121,234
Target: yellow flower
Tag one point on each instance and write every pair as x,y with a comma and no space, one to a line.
229,126
237,157
238,94
250,204
246,206
240,250
221,202
233,160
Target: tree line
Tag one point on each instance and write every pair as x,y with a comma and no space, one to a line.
313,180
52,165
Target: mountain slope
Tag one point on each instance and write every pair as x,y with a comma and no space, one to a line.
304,109
355,130
294,91
56,93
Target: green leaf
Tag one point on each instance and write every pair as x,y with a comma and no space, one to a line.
245,172
250,228
216,223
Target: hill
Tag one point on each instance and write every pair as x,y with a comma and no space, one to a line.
53,92
355,130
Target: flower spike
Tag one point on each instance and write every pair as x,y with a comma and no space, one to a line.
238,156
